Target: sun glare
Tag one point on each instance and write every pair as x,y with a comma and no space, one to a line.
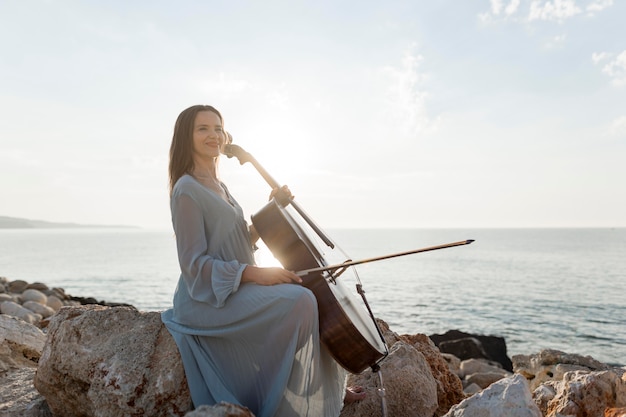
264,257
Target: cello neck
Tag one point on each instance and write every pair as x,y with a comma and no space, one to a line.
244,156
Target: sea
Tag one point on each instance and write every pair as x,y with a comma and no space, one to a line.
560,288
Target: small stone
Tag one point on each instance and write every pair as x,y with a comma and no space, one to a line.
41,309
13,309
472,389
17,286
34,295
473,366
37,286
59,292
10,307
54,302
484,379
6,297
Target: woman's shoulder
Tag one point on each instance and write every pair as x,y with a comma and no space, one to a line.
185,184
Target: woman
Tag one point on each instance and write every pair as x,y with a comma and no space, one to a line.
247,335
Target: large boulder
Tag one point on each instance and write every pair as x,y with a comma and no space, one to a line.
508,397
471,346
566,384
223,409
551,364
449,386
111,361
409,387
18,396
21,344
583,393
414,364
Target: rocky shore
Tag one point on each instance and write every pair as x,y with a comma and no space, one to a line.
71,356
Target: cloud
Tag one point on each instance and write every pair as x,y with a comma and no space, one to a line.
618,127
598,57
542,10
557,10
406,96
614,66
599,5
500,10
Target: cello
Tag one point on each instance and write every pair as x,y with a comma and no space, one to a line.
348,329
349,332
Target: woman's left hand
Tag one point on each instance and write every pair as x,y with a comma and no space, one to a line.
282,194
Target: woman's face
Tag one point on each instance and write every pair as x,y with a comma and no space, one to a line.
208,135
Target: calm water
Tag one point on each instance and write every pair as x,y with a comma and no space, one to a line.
538,288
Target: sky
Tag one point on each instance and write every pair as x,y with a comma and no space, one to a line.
376,114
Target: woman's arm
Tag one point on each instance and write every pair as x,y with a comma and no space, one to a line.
207,279
269,276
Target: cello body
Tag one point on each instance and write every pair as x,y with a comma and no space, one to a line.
347,330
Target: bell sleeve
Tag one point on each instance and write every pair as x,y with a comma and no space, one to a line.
207,279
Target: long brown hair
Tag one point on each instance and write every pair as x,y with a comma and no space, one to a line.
181,149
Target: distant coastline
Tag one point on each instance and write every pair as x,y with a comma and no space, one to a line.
7,222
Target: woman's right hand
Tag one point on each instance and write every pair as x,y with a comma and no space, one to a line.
269,276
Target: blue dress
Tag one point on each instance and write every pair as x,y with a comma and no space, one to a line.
253,345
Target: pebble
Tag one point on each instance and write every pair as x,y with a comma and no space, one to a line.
36,302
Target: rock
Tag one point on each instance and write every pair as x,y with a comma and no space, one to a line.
410,389
6,297
475,366
34,295
57,292
19,397
465,348
572,385
551,364
490,347
508,397
37,286
22,294
449,386
583,393
222,409
480,372
472,389
103,361
615,412
544,394
21,344
54,302
13,309
43,310
454,363
91,300
20,348
483,379
17,286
